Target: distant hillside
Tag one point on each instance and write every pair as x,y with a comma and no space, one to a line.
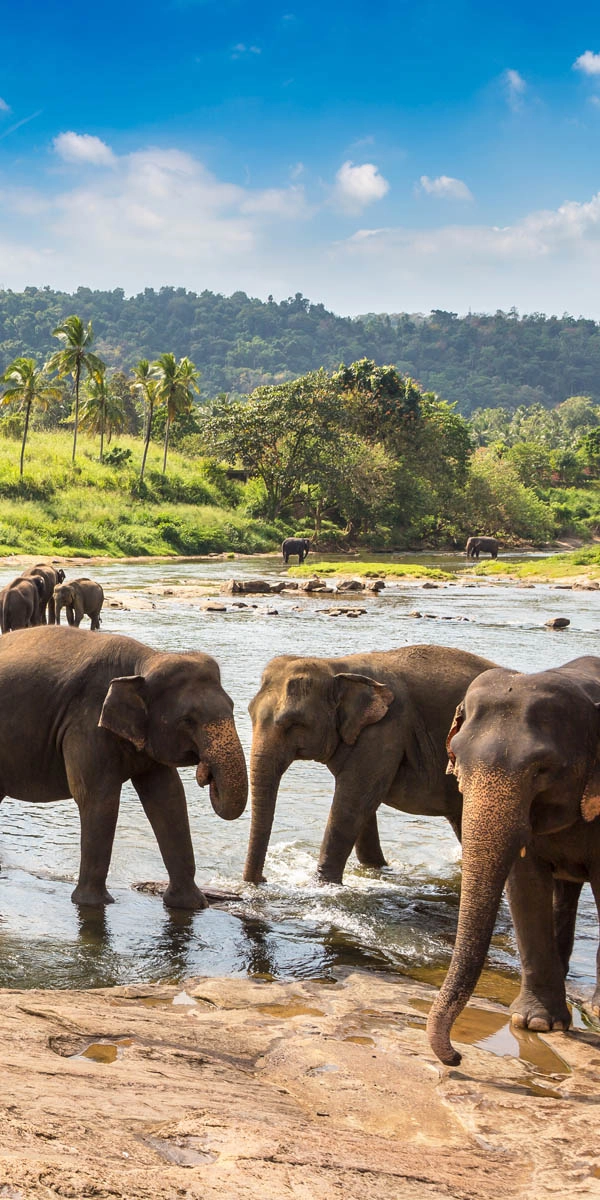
238,342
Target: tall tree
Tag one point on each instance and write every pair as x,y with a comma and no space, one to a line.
27,385
146,384
102,410
76,356
177,381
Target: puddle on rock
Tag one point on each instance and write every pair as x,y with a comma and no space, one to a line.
493,1031
359,1041
104,1051
492,985
185,1152
324,1069
289,1010
538,1087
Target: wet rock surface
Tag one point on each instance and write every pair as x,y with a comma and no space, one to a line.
310,1090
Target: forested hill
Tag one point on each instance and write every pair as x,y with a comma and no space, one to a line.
239,343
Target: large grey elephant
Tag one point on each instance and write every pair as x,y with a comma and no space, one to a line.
379,722
79,598
51,577
295,545
475,545
80,715
20,603
524,749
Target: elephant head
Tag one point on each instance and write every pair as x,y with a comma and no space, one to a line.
304,710
178,714
63,596
524,750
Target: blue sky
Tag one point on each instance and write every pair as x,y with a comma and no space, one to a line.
389,156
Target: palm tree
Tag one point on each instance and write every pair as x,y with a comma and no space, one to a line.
102,410
176,382
75,357
147,384
27,386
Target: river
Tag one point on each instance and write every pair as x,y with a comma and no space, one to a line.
402,918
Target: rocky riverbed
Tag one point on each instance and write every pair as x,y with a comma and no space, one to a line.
255,1089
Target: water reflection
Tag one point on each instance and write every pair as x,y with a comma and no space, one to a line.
400,919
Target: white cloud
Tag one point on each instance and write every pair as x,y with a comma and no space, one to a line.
445,186
515,88
589,63
4,107
241,50
83,148
356,187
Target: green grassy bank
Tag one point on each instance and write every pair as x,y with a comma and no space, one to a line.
93,508
370,570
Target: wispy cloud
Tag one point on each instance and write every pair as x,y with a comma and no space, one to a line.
357,186
588,63
241,50
514,89
18,124
83,148
4,107
445,187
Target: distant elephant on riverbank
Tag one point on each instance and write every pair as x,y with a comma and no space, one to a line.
379,722
81,715
475,545
525,752
20,603
295,545
79,598
51,577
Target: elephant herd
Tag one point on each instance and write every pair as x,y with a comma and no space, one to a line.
38,596
511,760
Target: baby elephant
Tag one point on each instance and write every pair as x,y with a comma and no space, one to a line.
80,598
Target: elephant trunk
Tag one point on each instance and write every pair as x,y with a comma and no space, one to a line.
493,830
266,769
223,766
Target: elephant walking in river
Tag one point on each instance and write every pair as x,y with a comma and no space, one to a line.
474,546
295,545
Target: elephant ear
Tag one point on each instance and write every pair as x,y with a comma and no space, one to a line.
124,711
590,803
360,702
457,721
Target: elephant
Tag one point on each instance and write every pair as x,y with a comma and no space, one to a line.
79,597
379,721
525,751
81,715
474,545
51,577
20,603
295,545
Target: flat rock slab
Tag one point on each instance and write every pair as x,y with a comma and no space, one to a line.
234,1088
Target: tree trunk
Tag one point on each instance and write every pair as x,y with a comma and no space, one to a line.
77,375
25,429
102,431
167,432
147,433
493,831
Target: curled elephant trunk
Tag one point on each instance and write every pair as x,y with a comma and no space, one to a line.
493,832
223,766
266,770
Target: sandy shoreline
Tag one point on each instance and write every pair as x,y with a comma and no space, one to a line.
308,1090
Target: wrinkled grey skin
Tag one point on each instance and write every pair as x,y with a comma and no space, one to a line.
294,545
79,598
51,576
80,715
20,603
524,749
475,545
379,722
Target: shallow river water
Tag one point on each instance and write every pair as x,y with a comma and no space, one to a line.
401,919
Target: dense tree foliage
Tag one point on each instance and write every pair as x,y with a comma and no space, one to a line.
239,343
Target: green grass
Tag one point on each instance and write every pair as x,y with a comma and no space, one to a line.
90,508
557,566
370,570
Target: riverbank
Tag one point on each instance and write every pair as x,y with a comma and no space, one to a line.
248,1088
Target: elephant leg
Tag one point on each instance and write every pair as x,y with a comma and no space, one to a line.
163,799
541,1004
98,812
565,901
358,794
595,1005
368,847
51,611
95,620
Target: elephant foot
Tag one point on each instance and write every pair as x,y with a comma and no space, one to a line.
540,1014
92,896
324,877
185,897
